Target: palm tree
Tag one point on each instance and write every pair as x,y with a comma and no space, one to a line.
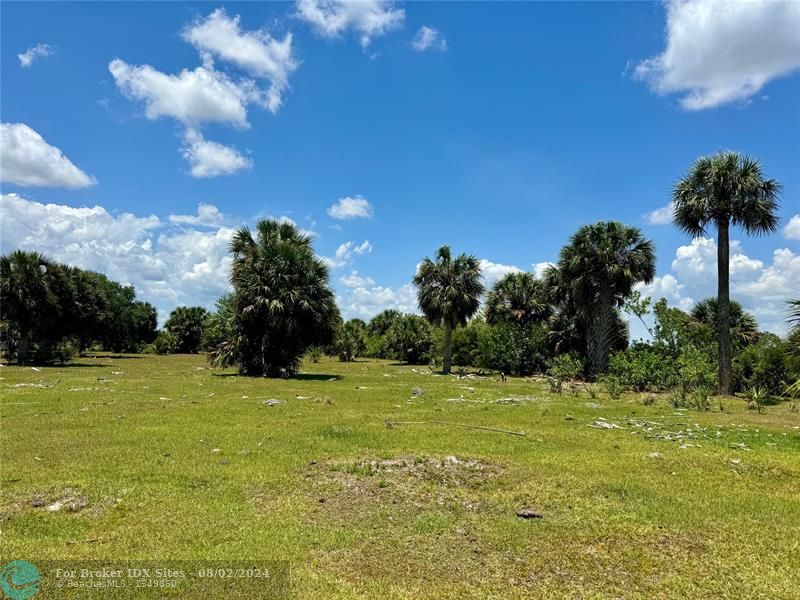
518,298
449,292
723,190
31,286
282,303
744,328
596,272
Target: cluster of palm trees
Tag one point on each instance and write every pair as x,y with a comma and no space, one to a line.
597,269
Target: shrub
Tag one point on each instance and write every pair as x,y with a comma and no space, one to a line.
755,397
593,389
187,324
696,369
648,400
642,367
613,386
410,339
768,365
165,342
351,340
314,354
565,366
513,348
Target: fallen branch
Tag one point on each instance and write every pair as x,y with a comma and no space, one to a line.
390,424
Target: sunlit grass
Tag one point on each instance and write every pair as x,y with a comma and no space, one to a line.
162,457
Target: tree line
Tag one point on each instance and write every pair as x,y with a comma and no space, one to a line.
568,321
51,311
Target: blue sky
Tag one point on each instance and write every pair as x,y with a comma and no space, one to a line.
496,128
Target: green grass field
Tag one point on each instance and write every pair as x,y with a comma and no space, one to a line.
145,457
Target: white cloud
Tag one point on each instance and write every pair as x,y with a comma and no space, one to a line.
367,301
345,253
368,18
719,51
351,208
207,215
192,97
26,159
168,266
792,229
257,52
660,216
428,38
27,58
540,268
494,272
211,159
354,280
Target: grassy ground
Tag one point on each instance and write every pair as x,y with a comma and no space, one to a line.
161,457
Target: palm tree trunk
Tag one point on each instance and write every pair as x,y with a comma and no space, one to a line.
600,334
724,308
24,347
448,348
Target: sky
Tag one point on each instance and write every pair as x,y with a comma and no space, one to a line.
136,137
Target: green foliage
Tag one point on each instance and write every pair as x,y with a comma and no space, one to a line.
351,340
696,369
166,342
769,365
518,298
50,311
187,324
565,367
449,292
756,395
467,344
219,325
282,304
514,348
380,323
314,354
410,339
595,274
643,367
613,385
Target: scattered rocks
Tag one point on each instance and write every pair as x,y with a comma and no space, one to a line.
527,513
603,424
273,402
216,450
416,391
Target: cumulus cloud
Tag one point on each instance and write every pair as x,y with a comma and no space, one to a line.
428,38
28,160
168,266
257,52
211,159
207,94
207,215
494,272
792,229
719,51
351,208
27,58
345,253
660,216
192,97
368,300
354,280
368,18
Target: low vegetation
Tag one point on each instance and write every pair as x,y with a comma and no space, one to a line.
373,477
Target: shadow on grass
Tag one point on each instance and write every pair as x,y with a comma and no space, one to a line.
116,356
298,377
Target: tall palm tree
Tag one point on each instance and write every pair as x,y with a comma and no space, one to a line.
596,272
723,190
449,292
282,302
518,298
744,328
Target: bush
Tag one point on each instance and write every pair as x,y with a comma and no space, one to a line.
643,368
467,344
696,369
165,342
613,386
351,340
410,339
768,365
565,366
514,348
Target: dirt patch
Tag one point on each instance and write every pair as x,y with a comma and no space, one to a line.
396,490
